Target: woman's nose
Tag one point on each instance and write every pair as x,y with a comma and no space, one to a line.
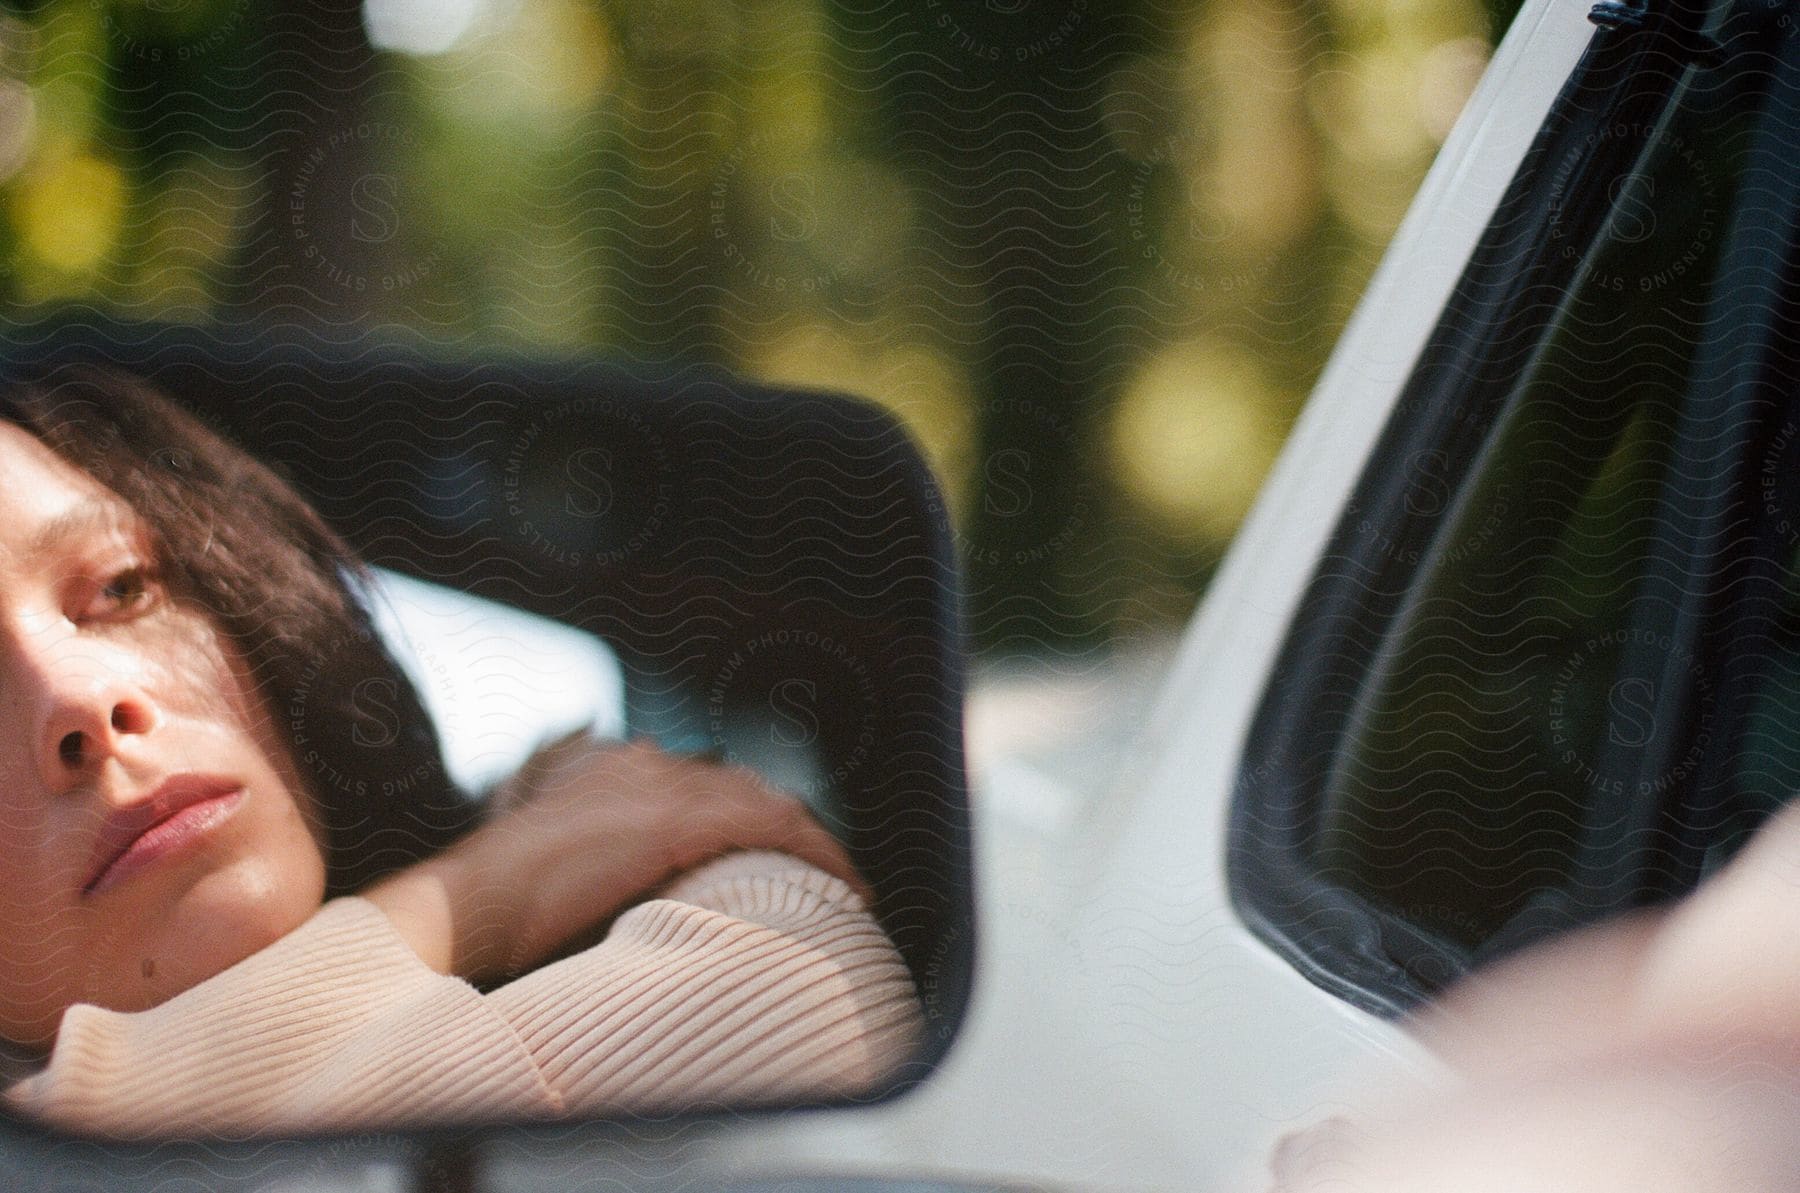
88,703
85,730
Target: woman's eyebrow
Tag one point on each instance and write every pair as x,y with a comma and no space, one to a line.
90,516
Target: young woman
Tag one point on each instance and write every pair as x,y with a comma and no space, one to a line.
229,904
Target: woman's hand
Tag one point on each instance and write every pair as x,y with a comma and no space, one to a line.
1657,1051
586,829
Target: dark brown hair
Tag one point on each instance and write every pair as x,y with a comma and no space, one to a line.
284,587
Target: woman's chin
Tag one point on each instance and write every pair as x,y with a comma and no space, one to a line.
221,918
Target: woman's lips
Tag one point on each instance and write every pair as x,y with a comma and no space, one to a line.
169,837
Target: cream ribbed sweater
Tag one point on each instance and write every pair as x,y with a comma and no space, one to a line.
755,977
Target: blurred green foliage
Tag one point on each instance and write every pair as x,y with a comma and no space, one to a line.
1093,253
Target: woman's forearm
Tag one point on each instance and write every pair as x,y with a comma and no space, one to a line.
602,828
447,913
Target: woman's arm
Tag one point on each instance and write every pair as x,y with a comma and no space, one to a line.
753,978
596,827
344,1020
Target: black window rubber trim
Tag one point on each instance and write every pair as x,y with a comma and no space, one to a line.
1517,277
1752,351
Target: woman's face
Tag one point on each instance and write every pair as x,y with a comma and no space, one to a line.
109,689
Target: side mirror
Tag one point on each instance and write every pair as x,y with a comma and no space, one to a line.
772,570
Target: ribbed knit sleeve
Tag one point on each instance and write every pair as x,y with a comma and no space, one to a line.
338,1023
755,978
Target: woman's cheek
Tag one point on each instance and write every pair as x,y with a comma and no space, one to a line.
190,668
45,966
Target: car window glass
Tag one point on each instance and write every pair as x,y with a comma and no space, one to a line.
1549,665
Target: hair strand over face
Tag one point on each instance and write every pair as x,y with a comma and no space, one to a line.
282,585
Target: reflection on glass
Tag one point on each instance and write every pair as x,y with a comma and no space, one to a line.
1535,658
238,892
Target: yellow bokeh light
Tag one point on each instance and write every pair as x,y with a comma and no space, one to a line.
1447,78
1371,201
784,102
1370,111
921,386
18,126
1194,433
550,61
563,55
68,70
68,210
1367,22
1253,188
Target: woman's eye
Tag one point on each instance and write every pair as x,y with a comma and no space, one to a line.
127,589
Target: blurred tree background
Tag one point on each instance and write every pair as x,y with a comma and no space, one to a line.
1093,252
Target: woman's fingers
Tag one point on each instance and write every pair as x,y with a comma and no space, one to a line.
828,854
618,819
799,834
738,809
